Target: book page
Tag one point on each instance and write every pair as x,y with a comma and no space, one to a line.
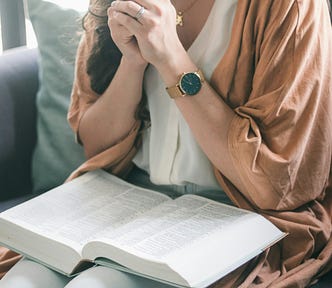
197,238
74,212
172,225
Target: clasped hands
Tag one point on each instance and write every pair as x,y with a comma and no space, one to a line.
144,35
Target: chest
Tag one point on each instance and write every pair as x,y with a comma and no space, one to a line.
193,20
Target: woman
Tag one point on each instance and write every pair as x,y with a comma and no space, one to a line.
251,123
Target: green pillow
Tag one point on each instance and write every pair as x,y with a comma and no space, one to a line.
58,32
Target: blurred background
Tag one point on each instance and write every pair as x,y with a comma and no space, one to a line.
15,27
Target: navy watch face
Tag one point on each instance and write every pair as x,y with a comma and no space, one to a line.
190,83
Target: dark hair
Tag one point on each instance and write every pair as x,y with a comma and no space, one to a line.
105,56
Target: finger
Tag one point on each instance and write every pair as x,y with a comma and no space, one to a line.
112,22
119,33
148,4
113,18
116,28
130,8
127,21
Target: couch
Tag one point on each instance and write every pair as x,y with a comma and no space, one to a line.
18,89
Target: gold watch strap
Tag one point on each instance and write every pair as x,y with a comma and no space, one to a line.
175,91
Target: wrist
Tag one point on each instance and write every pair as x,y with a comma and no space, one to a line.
137,67
172,68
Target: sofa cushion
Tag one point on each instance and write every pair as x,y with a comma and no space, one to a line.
57,31
324,282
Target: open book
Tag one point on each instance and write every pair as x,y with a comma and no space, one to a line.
189,241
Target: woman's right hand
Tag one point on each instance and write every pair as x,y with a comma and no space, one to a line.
125,40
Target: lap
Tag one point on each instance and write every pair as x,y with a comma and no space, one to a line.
103,277
29,274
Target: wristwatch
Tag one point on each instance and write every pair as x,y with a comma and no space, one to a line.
190,84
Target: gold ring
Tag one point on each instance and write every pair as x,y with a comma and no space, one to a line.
140,13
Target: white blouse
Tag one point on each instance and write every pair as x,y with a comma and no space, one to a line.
169,152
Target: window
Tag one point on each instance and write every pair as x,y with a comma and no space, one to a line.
15,33
31,37
0,37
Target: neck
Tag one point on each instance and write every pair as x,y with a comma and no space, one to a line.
182,10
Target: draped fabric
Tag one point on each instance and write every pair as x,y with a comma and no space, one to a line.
276,76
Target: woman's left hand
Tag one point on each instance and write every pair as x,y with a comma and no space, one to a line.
155,30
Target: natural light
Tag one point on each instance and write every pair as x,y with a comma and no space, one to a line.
80,5
0,39
74,4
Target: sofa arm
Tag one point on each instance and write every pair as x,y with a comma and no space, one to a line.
18,88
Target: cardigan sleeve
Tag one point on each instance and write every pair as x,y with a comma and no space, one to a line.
82,96
280,138
116,158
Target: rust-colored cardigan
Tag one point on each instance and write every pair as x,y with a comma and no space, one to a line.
276,76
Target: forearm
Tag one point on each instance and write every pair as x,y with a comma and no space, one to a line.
208,116
209,119
112,116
